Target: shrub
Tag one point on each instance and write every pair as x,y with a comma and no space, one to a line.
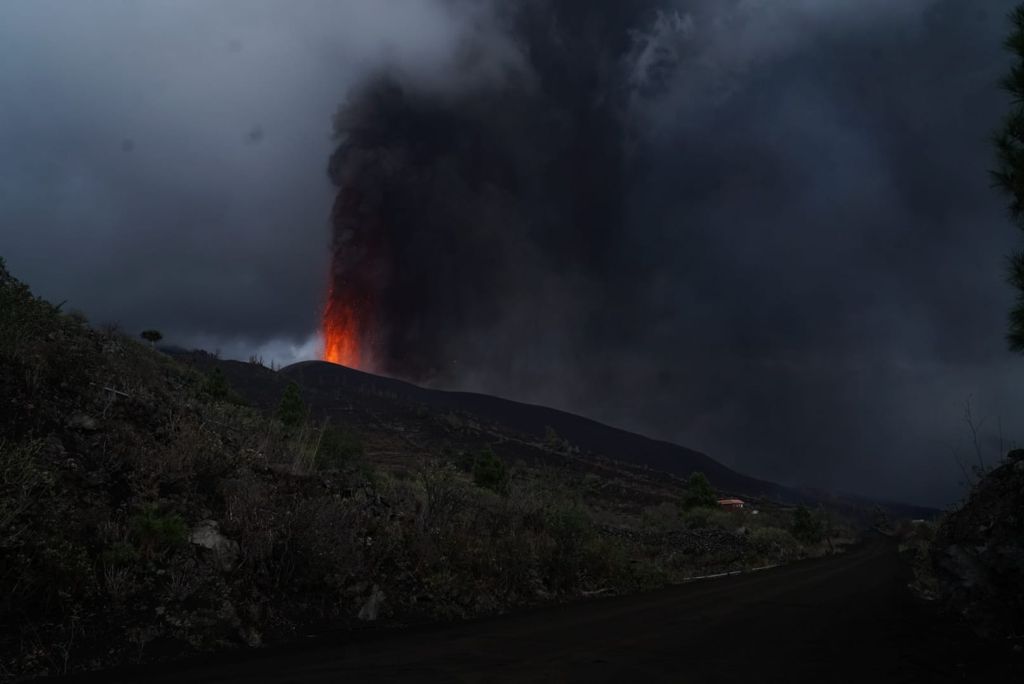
571,532
699,492
217,385
442,496
155,532
20,482
292,410
554,441
807,527
490,472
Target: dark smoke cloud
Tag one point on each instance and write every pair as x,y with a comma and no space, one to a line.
762,229
454,206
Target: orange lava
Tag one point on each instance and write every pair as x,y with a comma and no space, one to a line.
340,328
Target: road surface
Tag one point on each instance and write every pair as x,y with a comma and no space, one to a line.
847,618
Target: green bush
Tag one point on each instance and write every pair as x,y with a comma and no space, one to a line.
571,532
699,492
490,472
217,385
292,410
806,527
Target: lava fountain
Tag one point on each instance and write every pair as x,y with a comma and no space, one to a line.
340,328
347,325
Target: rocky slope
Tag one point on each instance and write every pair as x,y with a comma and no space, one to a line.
978,554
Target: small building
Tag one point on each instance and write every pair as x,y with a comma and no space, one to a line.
731,504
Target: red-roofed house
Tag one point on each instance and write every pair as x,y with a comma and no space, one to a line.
731,503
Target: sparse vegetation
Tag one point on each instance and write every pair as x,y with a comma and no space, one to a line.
140,504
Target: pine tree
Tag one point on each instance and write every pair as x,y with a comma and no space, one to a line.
292,410
1009,174
152,336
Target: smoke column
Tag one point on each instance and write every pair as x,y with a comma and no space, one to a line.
456,201
719,222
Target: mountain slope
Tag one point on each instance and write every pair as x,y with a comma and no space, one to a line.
335,392
322,380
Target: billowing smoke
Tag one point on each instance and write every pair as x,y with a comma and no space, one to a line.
760,228
744,226
457,205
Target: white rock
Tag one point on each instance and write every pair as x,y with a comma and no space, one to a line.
207,535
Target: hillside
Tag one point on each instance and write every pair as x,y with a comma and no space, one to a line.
335,392
153,507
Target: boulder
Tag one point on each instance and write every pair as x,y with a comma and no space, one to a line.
207,535
83,422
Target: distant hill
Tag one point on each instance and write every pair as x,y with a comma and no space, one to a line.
325,379
331,388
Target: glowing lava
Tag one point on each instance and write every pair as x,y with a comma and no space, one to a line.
341,333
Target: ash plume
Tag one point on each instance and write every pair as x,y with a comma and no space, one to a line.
457,205
759,229
694,219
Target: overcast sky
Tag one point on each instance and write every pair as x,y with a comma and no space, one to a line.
811,252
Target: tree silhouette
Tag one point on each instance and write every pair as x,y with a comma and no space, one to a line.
807,528
699,492
292,410
152,336
1009,174
490,472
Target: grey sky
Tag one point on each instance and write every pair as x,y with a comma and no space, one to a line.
162,163
813,251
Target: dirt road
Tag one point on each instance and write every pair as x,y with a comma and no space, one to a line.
841,619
